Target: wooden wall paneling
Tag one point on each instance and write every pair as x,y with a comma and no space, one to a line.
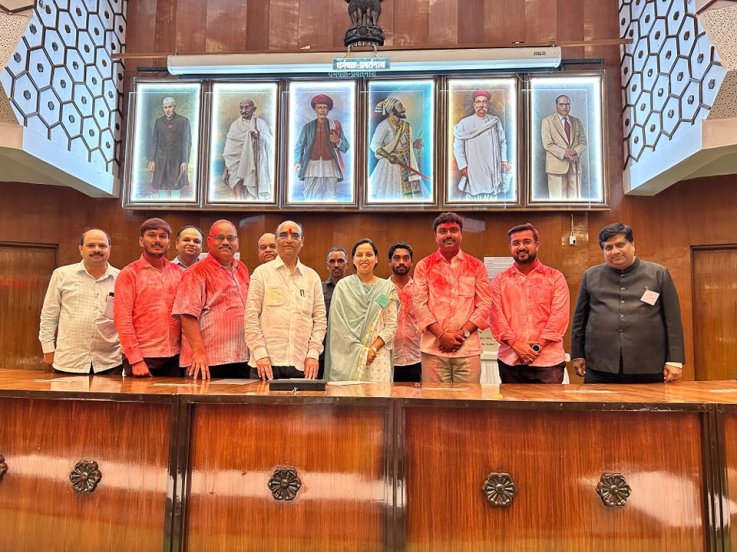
257,32
317,23
340,456
504,23
42,440
471,18
556,502
443,23
226,25
411,23
142,37
25,272
191,25
284,25
714,313
541,21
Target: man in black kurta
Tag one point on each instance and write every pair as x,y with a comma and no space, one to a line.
171,142
627,323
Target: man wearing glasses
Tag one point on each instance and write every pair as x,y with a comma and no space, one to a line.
285,318
211,302
564,142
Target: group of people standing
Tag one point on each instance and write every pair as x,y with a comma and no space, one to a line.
212,318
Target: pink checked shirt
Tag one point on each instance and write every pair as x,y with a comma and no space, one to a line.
451,294
216,296
144,297
530,308
407,338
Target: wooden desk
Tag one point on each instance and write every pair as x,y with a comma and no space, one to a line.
207,466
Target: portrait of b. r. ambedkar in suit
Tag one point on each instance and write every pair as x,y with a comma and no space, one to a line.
566,138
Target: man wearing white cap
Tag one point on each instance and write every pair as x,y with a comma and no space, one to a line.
480,150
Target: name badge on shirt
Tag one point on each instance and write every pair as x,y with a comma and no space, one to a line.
650,297
383,301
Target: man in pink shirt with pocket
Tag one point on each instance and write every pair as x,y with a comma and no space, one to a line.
144,294
529,314
211,303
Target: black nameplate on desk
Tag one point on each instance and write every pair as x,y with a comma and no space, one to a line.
297,384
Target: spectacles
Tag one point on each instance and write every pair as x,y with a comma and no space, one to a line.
564,104
285,235
221,239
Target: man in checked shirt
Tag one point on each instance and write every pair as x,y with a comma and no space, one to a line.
77,334
529,314
211,302
144,294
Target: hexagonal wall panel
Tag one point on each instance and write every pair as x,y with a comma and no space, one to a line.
61,80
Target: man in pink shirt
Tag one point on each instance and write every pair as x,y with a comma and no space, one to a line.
211,303
144,294
453,301
407,356
529,314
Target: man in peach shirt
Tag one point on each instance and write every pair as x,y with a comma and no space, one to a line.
144,295
453,301
529,314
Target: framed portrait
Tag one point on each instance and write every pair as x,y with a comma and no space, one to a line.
163,144
322,143
482,155
400,138
242,145
566,141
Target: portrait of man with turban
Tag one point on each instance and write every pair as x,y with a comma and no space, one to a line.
318,153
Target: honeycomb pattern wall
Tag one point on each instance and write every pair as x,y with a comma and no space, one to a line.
671,73
61,80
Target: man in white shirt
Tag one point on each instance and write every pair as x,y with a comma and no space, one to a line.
77,333
285,319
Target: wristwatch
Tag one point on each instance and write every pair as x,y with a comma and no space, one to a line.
466,333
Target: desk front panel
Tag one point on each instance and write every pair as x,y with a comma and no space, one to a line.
333,492
555,459
42,440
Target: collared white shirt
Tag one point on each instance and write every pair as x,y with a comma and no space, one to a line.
74,311
285,316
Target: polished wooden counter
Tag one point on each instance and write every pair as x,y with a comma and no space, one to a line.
232,466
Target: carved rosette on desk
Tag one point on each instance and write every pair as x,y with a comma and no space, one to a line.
499,489
85,476
613,489
285,484
3,467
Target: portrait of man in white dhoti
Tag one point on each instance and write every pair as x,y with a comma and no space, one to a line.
242,143
482,141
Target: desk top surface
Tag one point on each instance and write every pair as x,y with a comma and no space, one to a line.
27,382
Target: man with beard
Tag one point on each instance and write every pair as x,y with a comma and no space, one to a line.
189,246
529,314
453,301
407,357
144,294
394,148
318,153
266,248
211,303
480,150
285,317
76,332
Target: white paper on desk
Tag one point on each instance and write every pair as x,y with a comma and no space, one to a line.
348,382
232,381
